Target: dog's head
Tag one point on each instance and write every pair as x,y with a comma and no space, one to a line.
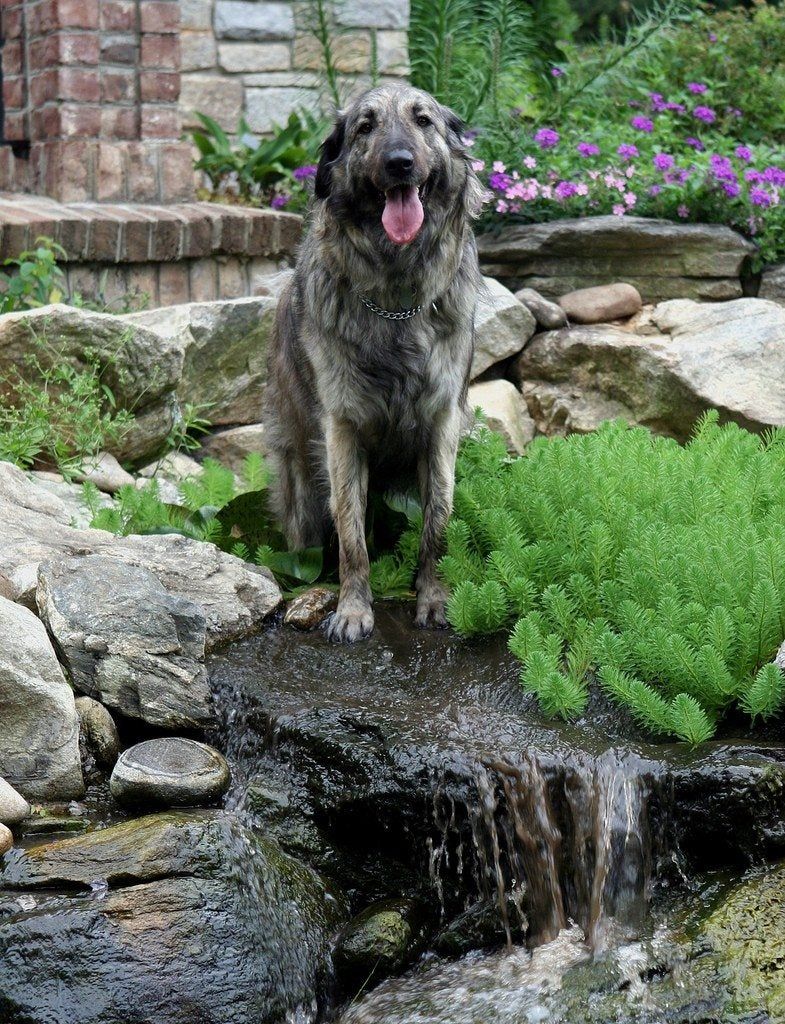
396,158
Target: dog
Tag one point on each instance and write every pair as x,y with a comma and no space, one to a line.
368,367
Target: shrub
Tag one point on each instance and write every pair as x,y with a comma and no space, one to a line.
657,569
37,280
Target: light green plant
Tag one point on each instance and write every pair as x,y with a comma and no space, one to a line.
657,569
37,279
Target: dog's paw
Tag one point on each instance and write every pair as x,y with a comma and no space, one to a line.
430,612
348,624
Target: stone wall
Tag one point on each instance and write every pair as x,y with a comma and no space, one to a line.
260,58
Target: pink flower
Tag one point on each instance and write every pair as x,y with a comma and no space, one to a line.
502,206
530,162
619,210
630,199
683,211
582,189
499,167
478,165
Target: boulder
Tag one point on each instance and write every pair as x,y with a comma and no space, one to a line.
235,596
169,772
602,303
772,284
703,356
71,495
13,806
126,641
223,347
549,315
310,609
175,466
231,447
186,914
502,326
106,473
505,412
98,733
39,739
6,839
663,259
141,371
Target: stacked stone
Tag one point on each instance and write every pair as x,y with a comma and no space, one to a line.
259,58
91,90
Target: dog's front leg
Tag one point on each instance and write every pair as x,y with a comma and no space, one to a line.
437,482
348,467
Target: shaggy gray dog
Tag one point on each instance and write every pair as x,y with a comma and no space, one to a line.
369,366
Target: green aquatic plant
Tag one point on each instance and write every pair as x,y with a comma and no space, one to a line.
656,569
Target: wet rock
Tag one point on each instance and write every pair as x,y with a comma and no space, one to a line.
602,303
549,315
99,733
6,842
13,806
378,941
481,926
236,597
505,412
223,349
772,284
726,356
310,609
188,915
232,447
747,933
106,473
126,641
502,326
169,772
43,824
662,259
39,738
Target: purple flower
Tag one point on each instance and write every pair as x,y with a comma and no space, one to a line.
712,37
683,211
734,111
588,149
557,72
499,181
627,150
695,143
657,102
759,197
279,201
655,190
642,124
697,87
774,176
677,107
705,114
565,189
663,161
546,138
731,188
752,175
743,153
721,168
307,171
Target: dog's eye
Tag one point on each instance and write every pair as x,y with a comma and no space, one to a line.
423,121
365,128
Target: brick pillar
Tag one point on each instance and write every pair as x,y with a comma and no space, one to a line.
95,86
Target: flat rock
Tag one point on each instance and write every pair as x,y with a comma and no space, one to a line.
98,732
235,596
169,772
602,303
13,806
549,315
502,326
126,641
662,259
309,609
702,356
232,447
39,739
505,412
71,495
223,346
194,918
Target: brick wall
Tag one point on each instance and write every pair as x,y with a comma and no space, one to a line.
260,59
91,95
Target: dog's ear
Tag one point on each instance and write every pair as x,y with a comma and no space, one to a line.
331,151
455,128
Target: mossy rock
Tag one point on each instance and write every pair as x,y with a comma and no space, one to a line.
379,941
747,934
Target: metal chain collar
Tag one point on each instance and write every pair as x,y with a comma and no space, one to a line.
388,314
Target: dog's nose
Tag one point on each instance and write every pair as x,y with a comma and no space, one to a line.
399,161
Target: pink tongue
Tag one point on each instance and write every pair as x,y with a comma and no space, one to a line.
403,215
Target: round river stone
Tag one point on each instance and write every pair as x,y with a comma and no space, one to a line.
169,772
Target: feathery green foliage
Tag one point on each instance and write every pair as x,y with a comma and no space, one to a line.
657,568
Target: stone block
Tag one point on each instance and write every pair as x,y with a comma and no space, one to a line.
241,19
243,57
221,98
268,107
372,13
197,51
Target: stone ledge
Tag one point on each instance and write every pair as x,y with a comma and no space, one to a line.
136,233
